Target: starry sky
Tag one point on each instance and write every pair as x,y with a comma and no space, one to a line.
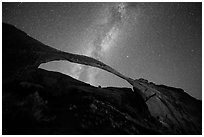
160,42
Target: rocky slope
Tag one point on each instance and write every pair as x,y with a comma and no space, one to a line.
36,101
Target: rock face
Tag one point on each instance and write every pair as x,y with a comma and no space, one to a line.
37,101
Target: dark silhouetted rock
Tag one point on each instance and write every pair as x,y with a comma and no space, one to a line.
22,54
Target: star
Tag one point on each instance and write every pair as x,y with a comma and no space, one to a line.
20,4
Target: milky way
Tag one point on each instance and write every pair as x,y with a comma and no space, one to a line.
104,32
161,42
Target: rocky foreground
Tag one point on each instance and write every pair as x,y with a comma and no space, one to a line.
37,101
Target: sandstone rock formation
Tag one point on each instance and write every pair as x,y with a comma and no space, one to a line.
36,101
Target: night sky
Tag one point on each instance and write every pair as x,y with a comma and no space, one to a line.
160,42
